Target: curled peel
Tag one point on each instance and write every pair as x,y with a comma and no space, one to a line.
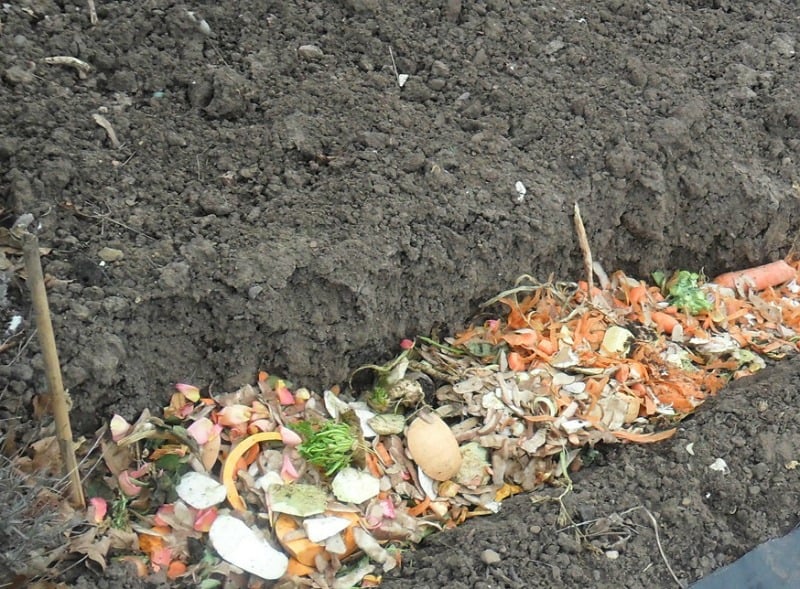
229,468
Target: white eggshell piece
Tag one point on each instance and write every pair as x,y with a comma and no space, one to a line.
265,481
241,546
355,486
321,528
336,545
334,405
364,415
426,483
200,490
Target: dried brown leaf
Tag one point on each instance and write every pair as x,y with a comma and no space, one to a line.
93,547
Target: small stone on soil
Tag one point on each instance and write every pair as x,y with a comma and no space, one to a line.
310,52
110,254
490,557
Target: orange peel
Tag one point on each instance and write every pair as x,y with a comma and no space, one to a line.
229,468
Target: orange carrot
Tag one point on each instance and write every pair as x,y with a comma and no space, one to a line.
683,396
538,418
776,345
298,569
383,454
149,543
348,535
516,362
760,277
736,333
526,339
583,286
664,321
639,390
595,386
515,319
622,373
420,507
303,549
248,458
176,569
547,347
373,466
138,563
637,294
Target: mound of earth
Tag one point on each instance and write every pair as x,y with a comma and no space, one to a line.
271,199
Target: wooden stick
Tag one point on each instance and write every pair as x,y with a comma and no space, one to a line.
583,241
55,385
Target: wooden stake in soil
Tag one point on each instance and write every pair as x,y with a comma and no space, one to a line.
33,268
583,241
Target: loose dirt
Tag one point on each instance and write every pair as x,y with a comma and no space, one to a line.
277,202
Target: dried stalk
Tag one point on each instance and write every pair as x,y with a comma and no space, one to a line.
583,241
92,12
55,385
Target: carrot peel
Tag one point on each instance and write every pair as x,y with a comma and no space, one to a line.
645,438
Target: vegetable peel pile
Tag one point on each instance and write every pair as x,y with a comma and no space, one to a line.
273,485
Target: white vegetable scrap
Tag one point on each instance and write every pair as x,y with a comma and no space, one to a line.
319,529
243,547
200,490
351,485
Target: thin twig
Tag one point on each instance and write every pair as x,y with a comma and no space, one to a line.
23,347
55,384
9,342
84,460
583,241
394,65
661,548
107,217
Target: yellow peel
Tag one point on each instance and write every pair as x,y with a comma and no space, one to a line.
228,469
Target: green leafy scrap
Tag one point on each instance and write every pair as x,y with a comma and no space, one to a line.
331,448
683,290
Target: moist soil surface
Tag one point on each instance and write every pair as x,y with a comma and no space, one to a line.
271,199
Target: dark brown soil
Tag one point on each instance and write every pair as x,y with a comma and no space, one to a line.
291,209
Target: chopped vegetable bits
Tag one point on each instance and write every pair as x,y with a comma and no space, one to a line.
292,483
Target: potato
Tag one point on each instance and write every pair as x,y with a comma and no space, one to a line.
433,447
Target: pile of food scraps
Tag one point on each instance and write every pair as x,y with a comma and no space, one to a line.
273,485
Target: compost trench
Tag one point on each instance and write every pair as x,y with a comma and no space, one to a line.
272,199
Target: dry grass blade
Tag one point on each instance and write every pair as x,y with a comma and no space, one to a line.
32,524
92,12
661,548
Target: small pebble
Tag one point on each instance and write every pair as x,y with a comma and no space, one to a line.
612,554
110,254
310,52
440,69
490,557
